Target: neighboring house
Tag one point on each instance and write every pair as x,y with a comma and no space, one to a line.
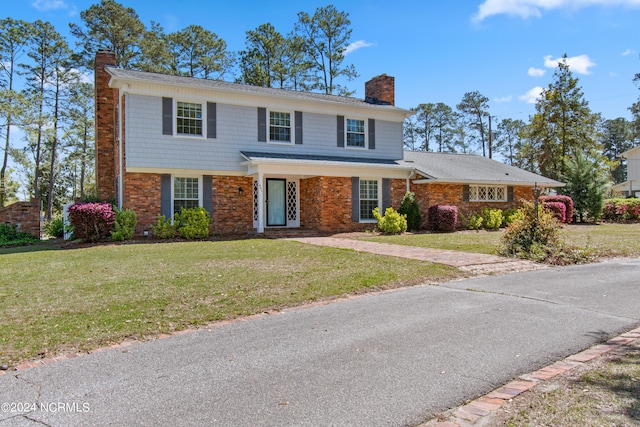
261,158
631,187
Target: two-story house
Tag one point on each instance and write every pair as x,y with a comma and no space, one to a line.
261,158
631,187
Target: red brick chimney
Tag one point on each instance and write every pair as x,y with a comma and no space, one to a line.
380,90
106,143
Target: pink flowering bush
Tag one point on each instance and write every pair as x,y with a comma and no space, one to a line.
618,210
566,200
92,222
557,209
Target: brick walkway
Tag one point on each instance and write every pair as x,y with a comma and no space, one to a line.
472,262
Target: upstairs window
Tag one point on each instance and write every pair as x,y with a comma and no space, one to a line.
279,126
487,193
188,118
186,193
355,133
368,199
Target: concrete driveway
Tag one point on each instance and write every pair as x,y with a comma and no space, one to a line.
389,359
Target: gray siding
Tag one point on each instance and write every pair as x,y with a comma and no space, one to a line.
237,130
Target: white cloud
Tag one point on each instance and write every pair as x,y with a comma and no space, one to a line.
629,52
355,46
44,5
536,72
503,99
579,64
534,8
532,95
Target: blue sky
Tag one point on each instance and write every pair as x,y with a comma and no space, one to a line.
436,50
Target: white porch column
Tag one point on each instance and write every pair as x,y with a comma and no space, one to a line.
260,203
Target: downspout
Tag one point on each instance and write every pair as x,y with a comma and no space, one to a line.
121,93
408,180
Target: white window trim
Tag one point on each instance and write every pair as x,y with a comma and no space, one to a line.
366,133
379,181
199,177
292,119
203,105
505,193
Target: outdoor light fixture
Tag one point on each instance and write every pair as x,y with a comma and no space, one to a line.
240,191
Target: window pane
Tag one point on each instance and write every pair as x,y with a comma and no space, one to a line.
189,118
368,198
355,133
185,193
279,126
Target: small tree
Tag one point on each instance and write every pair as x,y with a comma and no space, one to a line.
409,207
586,186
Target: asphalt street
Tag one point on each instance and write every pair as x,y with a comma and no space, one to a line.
389,359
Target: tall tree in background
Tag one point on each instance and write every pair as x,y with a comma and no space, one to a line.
155,56
509,140
444,124
410,136
616,139
45,44
326,35
262,61
200,53
79,136
109,25
585,185
425,122
14,35
475,107
563,124
635,111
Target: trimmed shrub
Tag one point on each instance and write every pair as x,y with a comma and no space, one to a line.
125,225
568,202
530,238
91,222
392,222
491,218
475,222
618,210
409,207
9,235
557,209
192,223
443,218
55,227
163,229
511,215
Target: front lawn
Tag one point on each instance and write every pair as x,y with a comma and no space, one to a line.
56,300
604,240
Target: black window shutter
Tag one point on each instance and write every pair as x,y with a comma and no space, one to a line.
386,195
165,195
262,124
509,194
211,119
298,126
167,116
207,193
355,199
340,131
372,134
465,193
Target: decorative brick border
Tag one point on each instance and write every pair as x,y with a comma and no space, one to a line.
477,410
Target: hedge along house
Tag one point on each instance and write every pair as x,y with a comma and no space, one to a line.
261,158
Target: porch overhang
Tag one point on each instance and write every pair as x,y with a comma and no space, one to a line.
306,166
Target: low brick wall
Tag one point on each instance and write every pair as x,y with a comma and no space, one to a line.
24,215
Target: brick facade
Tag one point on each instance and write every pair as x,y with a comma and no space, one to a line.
452,194
106,125
24,215
232,208
141,193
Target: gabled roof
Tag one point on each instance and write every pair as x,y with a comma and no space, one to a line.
119,74
470,169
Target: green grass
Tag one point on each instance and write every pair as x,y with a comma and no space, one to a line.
62,300
484,242
604,240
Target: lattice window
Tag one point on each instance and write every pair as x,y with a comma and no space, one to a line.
487,193
255,200
292,201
